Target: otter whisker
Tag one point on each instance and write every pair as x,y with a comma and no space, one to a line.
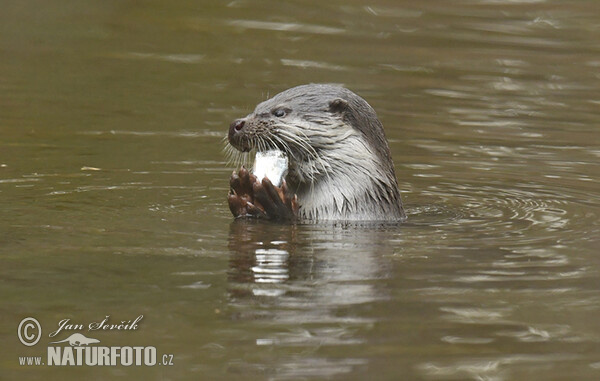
235,157
276,141
301,140
302,144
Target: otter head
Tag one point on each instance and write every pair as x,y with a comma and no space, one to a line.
290,120
334,143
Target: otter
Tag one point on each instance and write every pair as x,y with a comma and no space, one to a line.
340,166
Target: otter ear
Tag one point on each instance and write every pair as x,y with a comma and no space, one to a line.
338,105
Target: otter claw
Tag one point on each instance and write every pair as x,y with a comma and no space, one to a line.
254,211
272,199
250,198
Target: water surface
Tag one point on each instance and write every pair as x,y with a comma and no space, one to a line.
113,184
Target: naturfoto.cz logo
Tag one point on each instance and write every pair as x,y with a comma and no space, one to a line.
78,349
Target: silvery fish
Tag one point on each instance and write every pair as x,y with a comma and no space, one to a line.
272,165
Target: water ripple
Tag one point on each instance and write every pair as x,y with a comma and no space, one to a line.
286,27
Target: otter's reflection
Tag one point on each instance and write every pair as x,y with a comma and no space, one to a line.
260,254
302,282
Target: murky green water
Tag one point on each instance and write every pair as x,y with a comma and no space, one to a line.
113,184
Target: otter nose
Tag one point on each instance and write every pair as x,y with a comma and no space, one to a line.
239,124
235,128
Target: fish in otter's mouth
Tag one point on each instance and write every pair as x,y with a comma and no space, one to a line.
339,162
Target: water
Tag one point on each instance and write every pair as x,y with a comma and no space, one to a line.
113,184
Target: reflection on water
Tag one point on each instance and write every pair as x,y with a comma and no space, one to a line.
113,184
306,280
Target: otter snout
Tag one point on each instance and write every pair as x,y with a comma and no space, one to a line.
236,133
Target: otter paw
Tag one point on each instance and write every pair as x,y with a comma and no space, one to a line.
250,198
241,195
275,201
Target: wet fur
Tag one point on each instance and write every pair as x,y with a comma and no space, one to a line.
340,163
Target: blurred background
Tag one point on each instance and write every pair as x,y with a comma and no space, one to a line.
113,185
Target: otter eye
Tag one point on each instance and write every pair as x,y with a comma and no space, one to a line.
280,113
